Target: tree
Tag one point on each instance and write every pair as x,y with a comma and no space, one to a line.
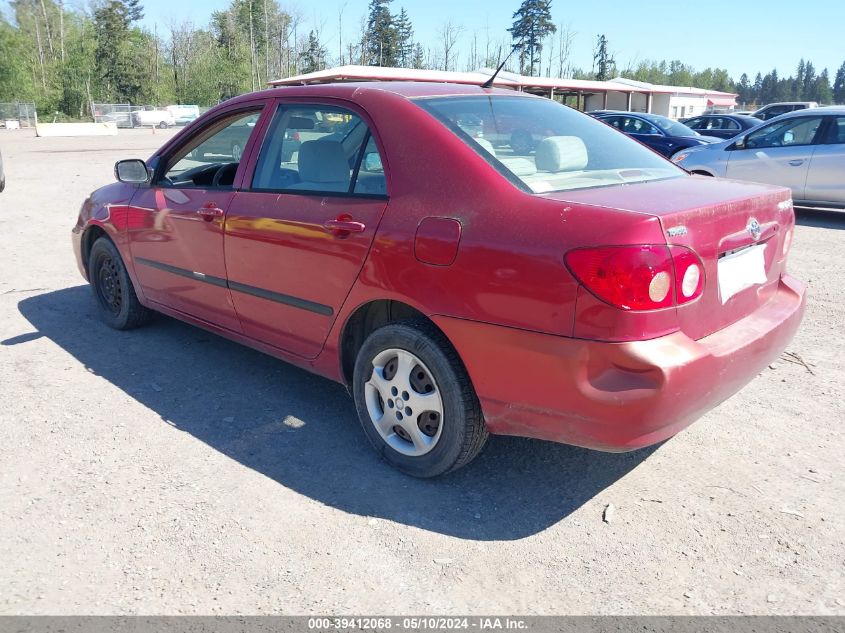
404,39
602,61
532,25
744,89
839,85
118,69
313,57
809,81
449,33
822,92
381,37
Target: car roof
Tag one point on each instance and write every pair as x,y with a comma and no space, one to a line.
822,111
406,89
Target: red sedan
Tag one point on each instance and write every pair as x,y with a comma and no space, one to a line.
582,290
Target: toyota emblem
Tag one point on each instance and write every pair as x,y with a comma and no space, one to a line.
754,228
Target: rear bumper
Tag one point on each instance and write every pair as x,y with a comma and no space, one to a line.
618,396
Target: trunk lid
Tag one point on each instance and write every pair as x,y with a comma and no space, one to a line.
714,218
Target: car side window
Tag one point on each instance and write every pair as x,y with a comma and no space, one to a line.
729,124
319,149
799,131
835,131
211,158
615,121
695,124
638,126
371,178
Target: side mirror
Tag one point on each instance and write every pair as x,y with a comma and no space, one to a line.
133,171
740,143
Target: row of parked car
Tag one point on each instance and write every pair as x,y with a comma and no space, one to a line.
803,148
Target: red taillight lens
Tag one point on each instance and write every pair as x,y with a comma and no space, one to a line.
628,277
642,277
689,274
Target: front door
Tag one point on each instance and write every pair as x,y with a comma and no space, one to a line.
777,154
298,235
177,239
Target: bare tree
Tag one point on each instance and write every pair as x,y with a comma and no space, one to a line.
449,34
565,37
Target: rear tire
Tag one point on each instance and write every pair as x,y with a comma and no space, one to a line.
118,304
415,400
162,125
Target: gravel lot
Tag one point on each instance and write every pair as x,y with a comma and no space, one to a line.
167,470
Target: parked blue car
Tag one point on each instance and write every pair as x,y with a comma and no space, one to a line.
660,133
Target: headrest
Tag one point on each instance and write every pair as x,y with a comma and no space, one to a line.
561,153
323,161
519,166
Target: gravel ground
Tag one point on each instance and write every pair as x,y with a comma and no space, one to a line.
167,470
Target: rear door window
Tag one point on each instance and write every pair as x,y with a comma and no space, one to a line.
319,149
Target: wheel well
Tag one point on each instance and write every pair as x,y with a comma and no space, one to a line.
363,322
91,235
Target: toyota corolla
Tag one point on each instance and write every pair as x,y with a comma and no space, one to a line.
580,289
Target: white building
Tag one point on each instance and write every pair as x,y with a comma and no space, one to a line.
618,94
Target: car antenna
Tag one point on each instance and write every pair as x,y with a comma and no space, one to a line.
489,82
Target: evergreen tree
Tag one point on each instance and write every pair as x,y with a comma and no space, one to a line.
382,39
839,85
602,60
313,57
758,89
418,58
798,84
405,39
532,24
744,89
822,92
809,81
117,67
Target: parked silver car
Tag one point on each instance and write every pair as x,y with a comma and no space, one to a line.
803,150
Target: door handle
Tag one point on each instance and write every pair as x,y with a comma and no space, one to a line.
343,225
210,211
796,162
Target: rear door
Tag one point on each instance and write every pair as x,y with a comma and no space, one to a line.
299,230
826,175
777,154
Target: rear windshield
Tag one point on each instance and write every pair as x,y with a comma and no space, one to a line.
543,146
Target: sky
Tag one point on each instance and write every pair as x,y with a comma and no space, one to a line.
713,33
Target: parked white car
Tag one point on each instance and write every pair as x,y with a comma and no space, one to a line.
154,118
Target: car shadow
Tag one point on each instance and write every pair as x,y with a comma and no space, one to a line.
820,219
301,430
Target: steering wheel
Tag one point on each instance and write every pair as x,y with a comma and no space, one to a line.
218,175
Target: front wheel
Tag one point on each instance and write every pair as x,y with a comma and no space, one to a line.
118,304
415,401
237,152
163,125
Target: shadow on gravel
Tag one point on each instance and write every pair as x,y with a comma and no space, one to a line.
820,219
301,430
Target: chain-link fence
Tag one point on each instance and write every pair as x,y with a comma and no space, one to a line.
118,113
15,115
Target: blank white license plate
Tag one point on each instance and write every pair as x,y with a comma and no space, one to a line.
741,270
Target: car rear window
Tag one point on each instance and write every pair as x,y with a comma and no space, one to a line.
543,146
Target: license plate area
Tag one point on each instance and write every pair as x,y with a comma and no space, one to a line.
740,270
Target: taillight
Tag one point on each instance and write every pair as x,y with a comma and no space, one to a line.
689,274
642,277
